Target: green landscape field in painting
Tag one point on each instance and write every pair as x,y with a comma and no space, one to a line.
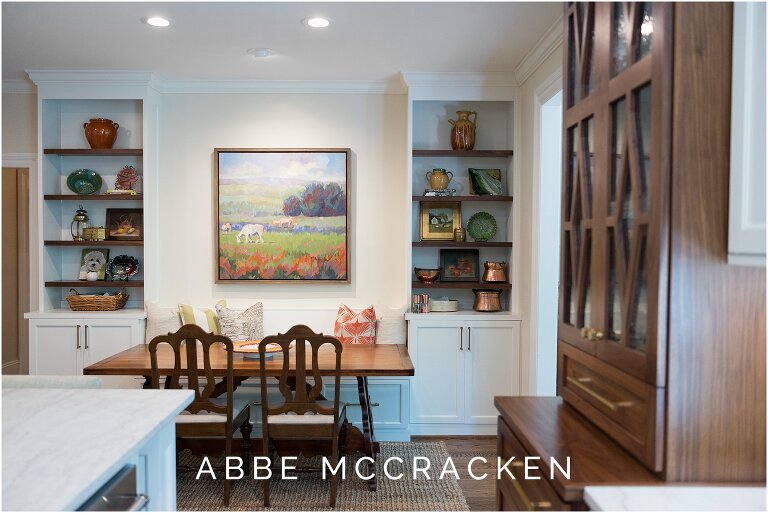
293,246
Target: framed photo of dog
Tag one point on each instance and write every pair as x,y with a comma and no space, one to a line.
281,215
94,259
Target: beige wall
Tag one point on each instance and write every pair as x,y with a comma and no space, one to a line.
374,126
19,123
525,200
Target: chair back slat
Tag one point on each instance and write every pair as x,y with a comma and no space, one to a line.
186,343
301,398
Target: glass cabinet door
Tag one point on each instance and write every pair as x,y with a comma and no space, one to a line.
616,181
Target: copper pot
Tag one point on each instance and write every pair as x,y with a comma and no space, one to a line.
495,271
101,133
487,300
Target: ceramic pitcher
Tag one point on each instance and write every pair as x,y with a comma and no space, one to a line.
101,133
438,178
463,131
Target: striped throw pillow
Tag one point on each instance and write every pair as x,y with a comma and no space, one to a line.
203,317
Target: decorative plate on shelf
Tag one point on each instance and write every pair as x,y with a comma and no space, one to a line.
250,349
84,181
122,267
481,226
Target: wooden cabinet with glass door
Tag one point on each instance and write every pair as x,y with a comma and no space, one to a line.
614,226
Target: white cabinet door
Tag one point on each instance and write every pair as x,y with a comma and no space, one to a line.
437,391
492,367
55,347
105,337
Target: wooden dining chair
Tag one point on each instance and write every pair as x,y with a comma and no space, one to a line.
303,414
206,415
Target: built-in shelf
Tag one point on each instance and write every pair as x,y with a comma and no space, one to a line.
463,153
461,285
100,283
94,197
443,199
454,244
86,243
112,152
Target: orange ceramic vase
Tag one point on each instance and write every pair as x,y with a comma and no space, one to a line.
463,131
101,133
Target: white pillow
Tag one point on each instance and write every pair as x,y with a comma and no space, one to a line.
391,327
161,321
241,325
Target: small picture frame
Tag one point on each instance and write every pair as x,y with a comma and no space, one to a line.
439,219
94,259
125,224
460,265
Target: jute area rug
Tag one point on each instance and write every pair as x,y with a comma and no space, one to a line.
310,492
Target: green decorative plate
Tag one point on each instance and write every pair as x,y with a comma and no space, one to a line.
84,181
481,226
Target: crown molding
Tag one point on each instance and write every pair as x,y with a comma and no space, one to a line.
95,78
282,86
412,79
18,86
548,43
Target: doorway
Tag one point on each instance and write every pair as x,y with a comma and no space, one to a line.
15,269
549,105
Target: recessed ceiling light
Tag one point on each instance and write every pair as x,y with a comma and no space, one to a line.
157,21
317,22
261,52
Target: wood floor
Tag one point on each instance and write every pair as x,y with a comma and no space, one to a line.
481,495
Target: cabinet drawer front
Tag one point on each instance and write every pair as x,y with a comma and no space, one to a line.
522,494
629,410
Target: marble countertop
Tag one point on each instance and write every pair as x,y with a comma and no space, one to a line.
675,498
61,445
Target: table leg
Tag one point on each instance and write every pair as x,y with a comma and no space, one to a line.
370,445
147,382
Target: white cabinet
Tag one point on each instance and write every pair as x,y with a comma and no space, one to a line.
62,343
461,362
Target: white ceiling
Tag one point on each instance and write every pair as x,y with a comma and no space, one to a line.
209,40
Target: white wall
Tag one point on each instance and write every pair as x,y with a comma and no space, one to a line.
374,126
19,122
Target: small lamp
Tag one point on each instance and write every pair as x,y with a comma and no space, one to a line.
79,222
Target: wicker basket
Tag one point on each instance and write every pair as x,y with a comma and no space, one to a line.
91,303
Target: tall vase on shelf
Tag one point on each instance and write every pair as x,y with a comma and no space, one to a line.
463,131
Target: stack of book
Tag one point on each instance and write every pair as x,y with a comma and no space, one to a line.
439,192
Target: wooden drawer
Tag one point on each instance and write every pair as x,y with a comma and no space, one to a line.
533,494
627,409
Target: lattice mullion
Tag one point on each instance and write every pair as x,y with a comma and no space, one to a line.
630,12
577,50
582,275
621,257
585,49
574,259
582,158
628,298
634,152
574,191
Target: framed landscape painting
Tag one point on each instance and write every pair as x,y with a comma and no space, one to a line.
282,215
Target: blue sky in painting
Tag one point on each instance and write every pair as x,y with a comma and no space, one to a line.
282,168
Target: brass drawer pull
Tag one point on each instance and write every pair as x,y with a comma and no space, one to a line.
579,383
529,504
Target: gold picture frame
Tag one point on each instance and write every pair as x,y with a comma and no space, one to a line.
439,219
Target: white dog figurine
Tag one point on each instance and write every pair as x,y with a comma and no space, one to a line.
249,230
93,261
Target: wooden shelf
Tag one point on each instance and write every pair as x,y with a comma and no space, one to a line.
94,197
461,285
463,153
86,243
443,199
100,283
454,244
112,152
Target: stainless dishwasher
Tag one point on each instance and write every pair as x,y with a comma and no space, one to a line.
119,494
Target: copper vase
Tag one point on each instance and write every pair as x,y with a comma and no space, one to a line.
463,131
101,133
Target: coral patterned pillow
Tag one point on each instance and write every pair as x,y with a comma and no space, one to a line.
355,327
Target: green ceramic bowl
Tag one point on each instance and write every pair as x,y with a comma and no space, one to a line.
84,181
481,226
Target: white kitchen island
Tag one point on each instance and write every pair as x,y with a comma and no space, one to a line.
60,446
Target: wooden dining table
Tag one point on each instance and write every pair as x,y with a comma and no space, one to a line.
359,361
